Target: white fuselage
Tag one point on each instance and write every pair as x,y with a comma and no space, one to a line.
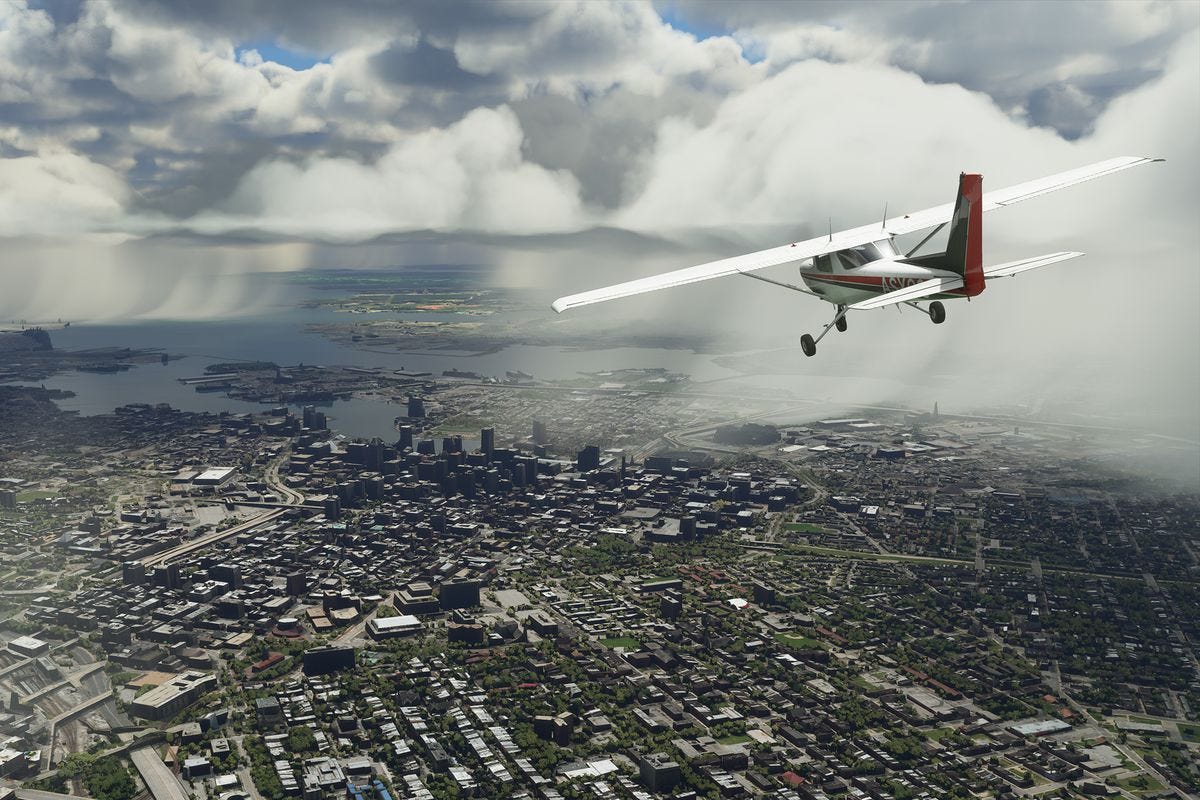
860,273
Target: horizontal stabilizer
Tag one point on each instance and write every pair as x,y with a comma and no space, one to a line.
910,293
1025,264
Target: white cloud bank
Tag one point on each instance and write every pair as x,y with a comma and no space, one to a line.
469,176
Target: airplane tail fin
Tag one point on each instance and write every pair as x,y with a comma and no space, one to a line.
964,247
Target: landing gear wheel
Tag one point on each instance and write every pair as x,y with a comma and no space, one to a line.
937,312
808,345
841,325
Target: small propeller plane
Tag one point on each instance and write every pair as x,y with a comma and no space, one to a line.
861,269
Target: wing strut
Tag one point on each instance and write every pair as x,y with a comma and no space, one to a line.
921,243
791,286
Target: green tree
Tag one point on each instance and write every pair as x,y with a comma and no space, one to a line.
108,779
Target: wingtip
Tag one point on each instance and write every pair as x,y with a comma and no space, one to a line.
559,306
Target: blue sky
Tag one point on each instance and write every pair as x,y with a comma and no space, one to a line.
273,51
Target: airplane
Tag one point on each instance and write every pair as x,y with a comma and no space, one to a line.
861,269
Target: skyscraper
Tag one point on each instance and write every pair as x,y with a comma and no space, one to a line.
588,458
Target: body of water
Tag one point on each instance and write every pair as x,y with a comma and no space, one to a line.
279,335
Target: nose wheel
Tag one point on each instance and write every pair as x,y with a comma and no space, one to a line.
809,345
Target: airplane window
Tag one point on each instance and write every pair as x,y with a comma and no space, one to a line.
823,263
886,248
868,253
851,259
856,257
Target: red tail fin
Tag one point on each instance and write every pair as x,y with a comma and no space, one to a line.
964,249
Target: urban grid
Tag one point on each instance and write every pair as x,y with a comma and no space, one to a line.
890,605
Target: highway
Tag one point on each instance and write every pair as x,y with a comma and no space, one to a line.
158,779
86,705
179,551
38,794
70,680
290,497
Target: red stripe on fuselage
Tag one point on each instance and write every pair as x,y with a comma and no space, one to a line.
853,280
873,283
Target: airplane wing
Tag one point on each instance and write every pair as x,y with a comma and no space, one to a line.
714,269
910,293
810,248
1016,267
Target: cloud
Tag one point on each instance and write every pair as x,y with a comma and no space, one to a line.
468,176
167,97
59,193
819,139
1017,52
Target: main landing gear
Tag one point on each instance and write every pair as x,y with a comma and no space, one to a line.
809,345
936,311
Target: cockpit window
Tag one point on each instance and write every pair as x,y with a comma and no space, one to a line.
855,257
858,256
886,248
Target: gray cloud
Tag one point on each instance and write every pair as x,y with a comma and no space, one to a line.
1057,63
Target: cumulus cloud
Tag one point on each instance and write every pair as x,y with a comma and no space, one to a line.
202,129
59,193
470,175
1055,64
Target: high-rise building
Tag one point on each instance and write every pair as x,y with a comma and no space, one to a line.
322,660
8,498
687,527
168,576
314,420
763,594
659,773
530,465
356,453
297,583
466,480
459,594
133,573
416,406
487,441
227,573
406,438
539,432
588,458
374,455
332,506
